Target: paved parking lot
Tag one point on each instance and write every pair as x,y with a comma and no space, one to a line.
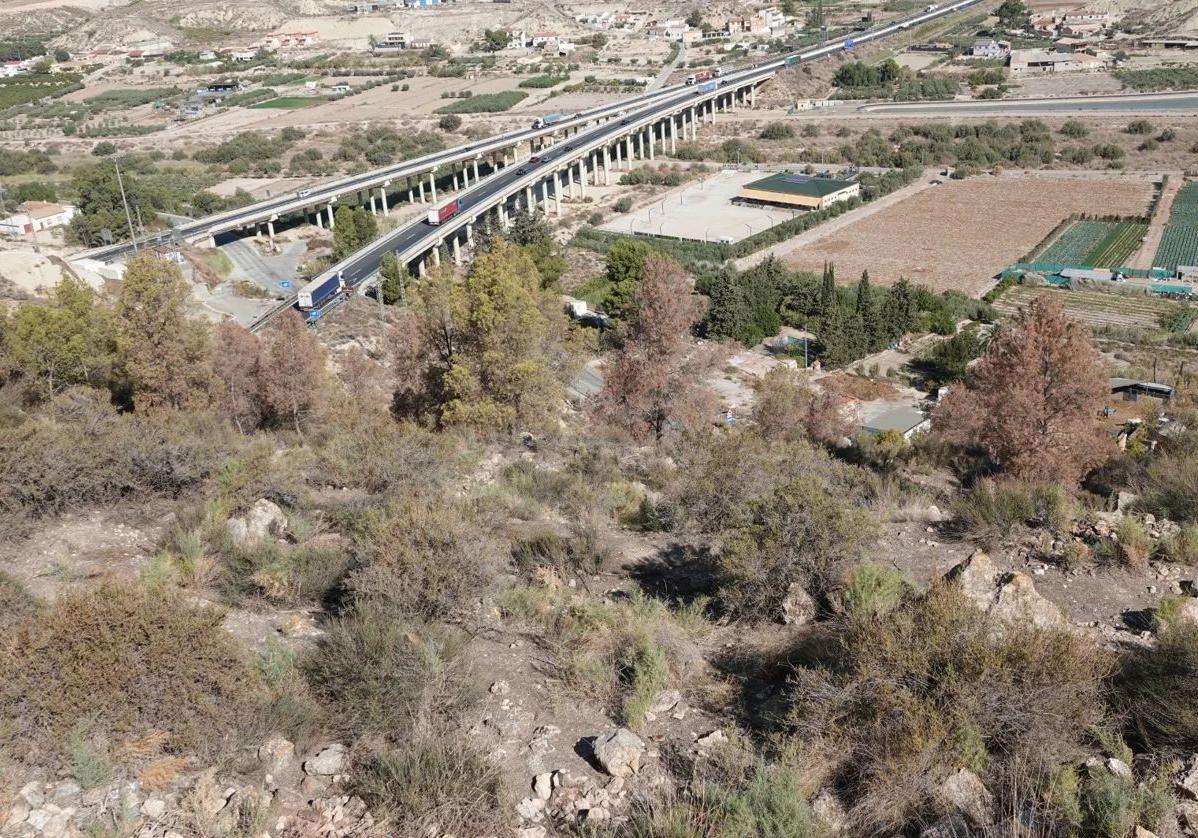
703,210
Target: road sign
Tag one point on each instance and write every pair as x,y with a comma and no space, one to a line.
286,283
848,44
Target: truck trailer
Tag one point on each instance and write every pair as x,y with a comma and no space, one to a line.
547,120
319,291
444,213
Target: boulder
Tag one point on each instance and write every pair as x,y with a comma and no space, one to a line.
1011,597
712,738
1119,768
977,577
619,752
278,759
798,606
264,519
1141,832
542,785
665,701
1017,601
829,809
154,808
965,792
327,762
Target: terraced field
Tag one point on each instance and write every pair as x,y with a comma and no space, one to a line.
1095,308
1095,244
1179,244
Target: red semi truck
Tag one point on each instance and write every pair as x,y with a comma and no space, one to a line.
442,214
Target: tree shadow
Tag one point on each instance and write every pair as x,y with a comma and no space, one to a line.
679,574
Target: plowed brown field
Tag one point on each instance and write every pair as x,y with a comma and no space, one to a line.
960,234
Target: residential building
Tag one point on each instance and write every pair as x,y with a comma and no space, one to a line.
542,39
286,40
799,191
990,48
35,216
394,40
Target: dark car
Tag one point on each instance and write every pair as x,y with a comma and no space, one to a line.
625,120
534,159
523,170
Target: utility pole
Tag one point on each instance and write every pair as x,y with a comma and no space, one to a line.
124,200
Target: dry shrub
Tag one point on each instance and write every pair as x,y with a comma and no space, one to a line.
379,454
718,476
94,456
435,785
427,558
993,508
377,673
1169,484
121,662
16,603
799,534
1158,689
159,774
935,685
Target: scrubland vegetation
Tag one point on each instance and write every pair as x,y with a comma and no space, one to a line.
440,506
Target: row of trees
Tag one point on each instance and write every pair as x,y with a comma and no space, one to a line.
851,321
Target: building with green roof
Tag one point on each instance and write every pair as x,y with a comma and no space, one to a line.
799,191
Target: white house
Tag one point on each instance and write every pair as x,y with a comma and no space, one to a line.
36,216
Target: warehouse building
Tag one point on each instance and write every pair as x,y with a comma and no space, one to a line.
799,191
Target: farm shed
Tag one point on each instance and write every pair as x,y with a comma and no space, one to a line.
907,420
1131,389
802,191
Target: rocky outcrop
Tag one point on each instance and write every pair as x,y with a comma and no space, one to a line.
1008,595
265,519
327,762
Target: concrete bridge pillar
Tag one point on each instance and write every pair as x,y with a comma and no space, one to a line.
421,185
582,178
330,211
619,153
652,131
432,185
470,234
457,251
422,267
673,134
606,166
557,191
270,231
455,181
529,202
437,254
545,196
373,209
475,164
383,198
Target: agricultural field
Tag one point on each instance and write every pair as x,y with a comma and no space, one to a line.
486,103
20,90
1097,308
1179,244
961,234
1095,244
289,102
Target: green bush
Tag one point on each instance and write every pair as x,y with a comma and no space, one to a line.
644,670
122,662
284,574
1182,547
992,509
755,798
485,103
777,131
1135,547
433,785
870,590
